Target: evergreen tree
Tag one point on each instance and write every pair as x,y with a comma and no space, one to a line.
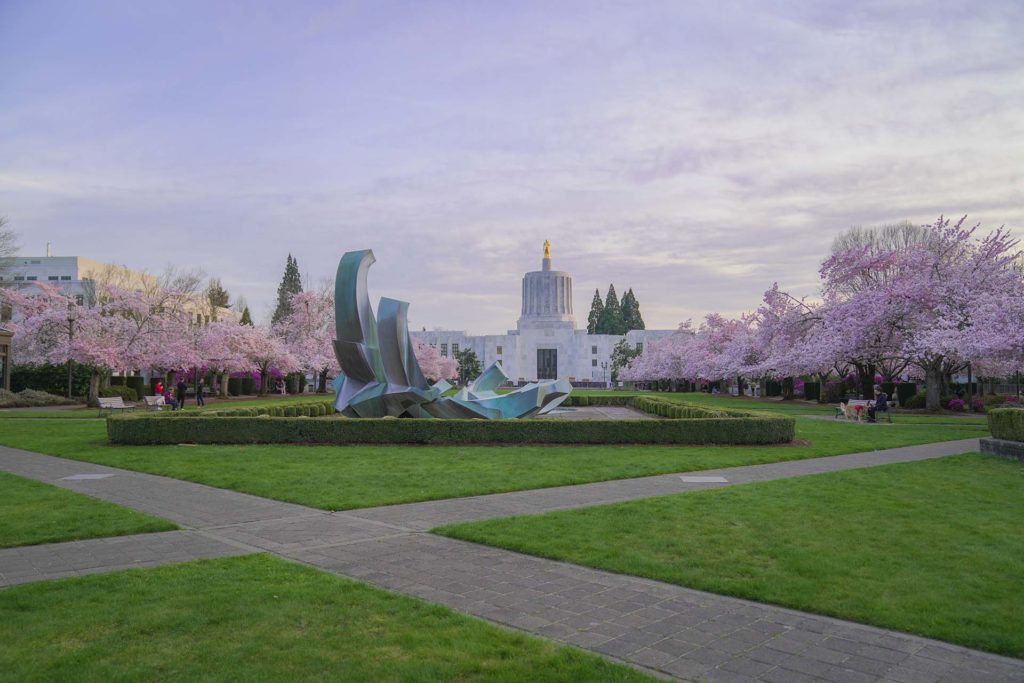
596,306
610,321
217,295
621,355
469,366
291,283
631,318
246,318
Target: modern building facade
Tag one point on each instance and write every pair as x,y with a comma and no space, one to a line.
546,343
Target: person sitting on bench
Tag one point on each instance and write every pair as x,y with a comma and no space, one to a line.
880,405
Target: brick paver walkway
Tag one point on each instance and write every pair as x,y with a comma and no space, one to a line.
666,629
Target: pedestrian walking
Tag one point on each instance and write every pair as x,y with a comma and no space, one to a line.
200,401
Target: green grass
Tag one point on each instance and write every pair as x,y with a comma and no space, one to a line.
932,547
258,618
32,512
345,477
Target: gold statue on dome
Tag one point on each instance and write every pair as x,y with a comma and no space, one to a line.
547,249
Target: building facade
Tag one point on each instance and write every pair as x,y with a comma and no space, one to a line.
546,343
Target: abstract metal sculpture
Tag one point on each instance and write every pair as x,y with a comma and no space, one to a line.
383,378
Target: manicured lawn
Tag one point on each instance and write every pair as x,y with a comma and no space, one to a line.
336,478
32,512
261,619
932,547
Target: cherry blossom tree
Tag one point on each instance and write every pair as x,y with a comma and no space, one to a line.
434,366
308,332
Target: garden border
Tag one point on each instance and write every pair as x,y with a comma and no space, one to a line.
685,424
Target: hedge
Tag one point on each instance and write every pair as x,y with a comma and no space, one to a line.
126,393
312,409
1007,423
188,428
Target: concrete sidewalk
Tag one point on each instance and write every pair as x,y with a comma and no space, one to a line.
666,629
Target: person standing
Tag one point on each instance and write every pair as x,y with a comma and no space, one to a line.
200,402
182,389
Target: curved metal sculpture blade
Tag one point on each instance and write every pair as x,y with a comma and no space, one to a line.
382,376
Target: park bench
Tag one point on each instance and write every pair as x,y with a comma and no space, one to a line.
154,402
112,403
850,411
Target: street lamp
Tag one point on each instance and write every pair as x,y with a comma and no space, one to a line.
604,373
72,317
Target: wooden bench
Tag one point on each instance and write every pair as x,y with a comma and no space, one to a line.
113,403
154,402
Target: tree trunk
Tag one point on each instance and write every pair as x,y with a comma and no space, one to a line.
322,388
94,388
264,376
933,390
224,376
866,379
788,393
821,387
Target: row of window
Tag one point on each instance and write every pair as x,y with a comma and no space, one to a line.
33,278
455,350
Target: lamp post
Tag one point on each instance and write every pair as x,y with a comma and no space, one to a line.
72,317
604,373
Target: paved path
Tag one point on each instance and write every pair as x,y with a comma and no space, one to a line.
663,628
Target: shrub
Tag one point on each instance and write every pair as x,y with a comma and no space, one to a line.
235,386
956,404
904,392
30,398
1007,423
126,393
977,405
50,378
915,402
204,428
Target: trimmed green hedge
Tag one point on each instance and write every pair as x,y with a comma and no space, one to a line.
189,428
1007,423
313,409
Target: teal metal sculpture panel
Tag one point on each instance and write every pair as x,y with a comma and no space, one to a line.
381,376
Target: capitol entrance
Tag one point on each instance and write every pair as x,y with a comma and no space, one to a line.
547,363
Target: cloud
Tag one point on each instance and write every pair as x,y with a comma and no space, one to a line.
695,152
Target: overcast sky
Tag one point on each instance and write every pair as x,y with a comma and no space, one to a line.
694,151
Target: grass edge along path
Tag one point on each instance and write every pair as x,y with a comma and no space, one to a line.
350,477
32,512
931,547
182,622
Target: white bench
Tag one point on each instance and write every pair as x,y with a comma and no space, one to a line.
113,403
154,402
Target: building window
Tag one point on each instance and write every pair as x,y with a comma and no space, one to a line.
593,363
499,350
593,350
640,347
444,350
52,277
18,278
455,350
32,277
66,278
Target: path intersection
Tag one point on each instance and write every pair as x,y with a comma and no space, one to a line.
666,630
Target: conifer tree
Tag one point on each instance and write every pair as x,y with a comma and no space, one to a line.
631,318
216,294
291,283
596,306
246,318
610,321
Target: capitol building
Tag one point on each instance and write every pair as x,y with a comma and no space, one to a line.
546,343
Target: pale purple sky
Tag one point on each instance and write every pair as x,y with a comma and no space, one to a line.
694,151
